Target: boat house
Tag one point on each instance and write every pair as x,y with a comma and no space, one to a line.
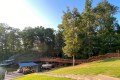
28,67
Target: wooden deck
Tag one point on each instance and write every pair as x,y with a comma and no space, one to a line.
59,60
80,61
12,75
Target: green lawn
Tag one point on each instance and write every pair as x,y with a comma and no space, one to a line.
40,77
110,67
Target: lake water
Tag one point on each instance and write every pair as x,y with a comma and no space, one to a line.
4,69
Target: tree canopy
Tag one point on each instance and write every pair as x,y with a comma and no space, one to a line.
84,34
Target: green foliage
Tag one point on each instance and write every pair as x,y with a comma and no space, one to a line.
92,32
71,22
39,39
96,30
13,41
10,42
105,22
59,41
88,27
88,5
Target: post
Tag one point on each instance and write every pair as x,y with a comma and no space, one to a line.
73,60
37,69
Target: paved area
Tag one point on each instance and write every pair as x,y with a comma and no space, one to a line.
84,77
12,75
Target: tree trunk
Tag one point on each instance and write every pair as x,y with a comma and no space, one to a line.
73,60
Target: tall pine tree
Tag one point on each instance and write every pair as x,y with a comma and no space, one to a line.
71,23
88,20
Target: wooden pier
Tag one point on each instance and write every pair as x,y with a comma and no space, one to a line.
62,61
79,61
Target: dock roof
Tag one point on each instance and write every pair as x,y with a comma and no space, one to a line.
27,64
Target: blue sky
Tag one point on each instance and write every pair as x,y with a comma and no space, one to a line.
47,13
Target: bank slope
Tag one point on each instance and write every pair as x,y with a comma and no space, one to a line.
109,67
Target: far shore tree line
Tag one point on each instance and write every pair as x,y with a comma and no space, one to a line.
93,32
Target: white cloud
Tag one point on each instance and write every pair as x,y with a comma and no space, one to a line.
17,13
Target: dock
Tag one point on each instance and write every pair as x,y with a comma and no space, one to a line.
12,75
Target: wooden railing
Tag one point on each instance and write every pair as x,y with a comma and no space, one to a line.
94,58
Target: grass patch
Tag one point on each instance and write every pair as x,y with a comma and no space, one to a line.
110,67
40,77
